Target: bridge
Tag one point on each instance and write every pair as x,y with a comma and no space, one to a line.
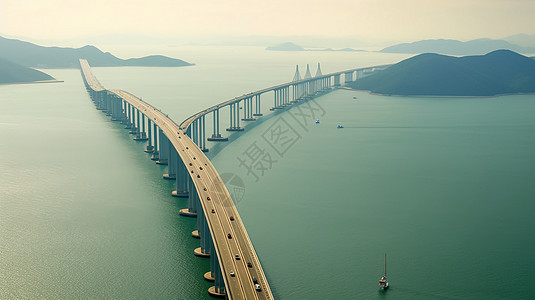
234,266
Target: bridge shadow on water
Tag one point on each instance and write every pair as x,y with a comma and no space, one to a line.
219,146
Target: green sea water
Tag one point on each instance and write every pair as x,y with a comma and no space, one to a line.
445,186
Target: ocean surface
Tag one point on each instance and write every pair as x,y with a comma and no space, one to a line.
444,186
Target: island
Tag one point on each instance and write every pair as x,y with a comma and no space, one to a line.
496,73
11,73
455,47
31,55
293,47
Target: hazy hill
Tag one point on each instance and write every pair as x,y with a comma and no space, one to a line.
14,73
454,47
286,47
498,72
524,40
31,55
293,47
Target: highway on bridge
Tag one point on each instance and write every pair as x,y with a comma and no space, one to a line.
215,200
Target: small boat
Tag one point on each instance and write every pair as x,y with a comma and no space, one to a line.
383,284
317,121
340,126
354,97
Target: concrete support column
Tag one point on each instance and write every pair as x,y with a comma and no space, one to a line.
107,100
248,110
202,228
235,117
156,152
164,149
150,147
171,163
216,136
257,106
219,283
182,177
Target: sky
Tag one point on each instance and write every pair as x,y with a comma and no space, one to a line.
354,21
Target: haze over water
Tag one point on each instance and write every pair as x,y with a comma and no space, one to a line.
444,185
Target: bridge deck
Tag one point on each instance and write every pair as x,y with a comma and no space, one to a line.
241,286
186,123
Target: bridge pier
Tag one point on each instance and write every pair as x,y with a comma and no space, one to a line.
248,109
181,180
140,133
216,136
348,77
235,117
150,147
131,119
257,106
171,163
193,199
202,134
107,102
218,289
336,80
205,249
164,149
156,153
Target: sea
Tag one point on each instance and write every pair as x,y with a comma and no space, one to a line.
445,187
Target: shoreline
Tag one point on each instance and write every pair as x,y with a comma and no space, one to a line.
31,82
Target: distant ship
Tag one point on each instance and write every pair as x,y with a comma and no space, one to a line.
383,284
340,126
317,121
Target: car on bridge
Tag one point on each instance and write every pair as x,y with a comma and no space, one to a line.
231,217
229,236
257,287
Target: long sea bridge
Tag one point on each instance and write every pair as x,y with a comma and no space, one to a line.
234,266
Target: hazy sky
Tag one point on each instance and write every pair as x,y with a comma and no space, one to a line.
367,20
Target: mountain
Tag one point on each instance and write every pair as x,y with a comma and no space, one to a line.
286,47
454,47
13,73
293,47
31,55
498,72
524,40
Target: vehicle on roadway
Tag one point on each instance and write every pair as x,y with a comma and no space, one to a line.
250,265
257,287
231,217
232,274
255,281
229,236
213,211
237,256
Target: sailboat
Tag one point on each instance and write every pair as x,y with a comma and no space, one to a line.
383,284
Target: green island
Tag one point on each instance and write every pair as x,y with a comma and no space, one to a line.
11,73
31,55
496,73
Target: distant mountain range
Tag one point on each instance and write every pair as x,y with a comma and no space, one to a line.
13,73
31,55
293,47
524,40
454,47
496,73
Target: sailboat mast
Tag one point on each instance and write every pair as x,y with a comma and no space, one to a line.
385,264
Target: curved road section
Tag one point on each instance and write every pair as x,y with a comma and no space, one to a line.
208,185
